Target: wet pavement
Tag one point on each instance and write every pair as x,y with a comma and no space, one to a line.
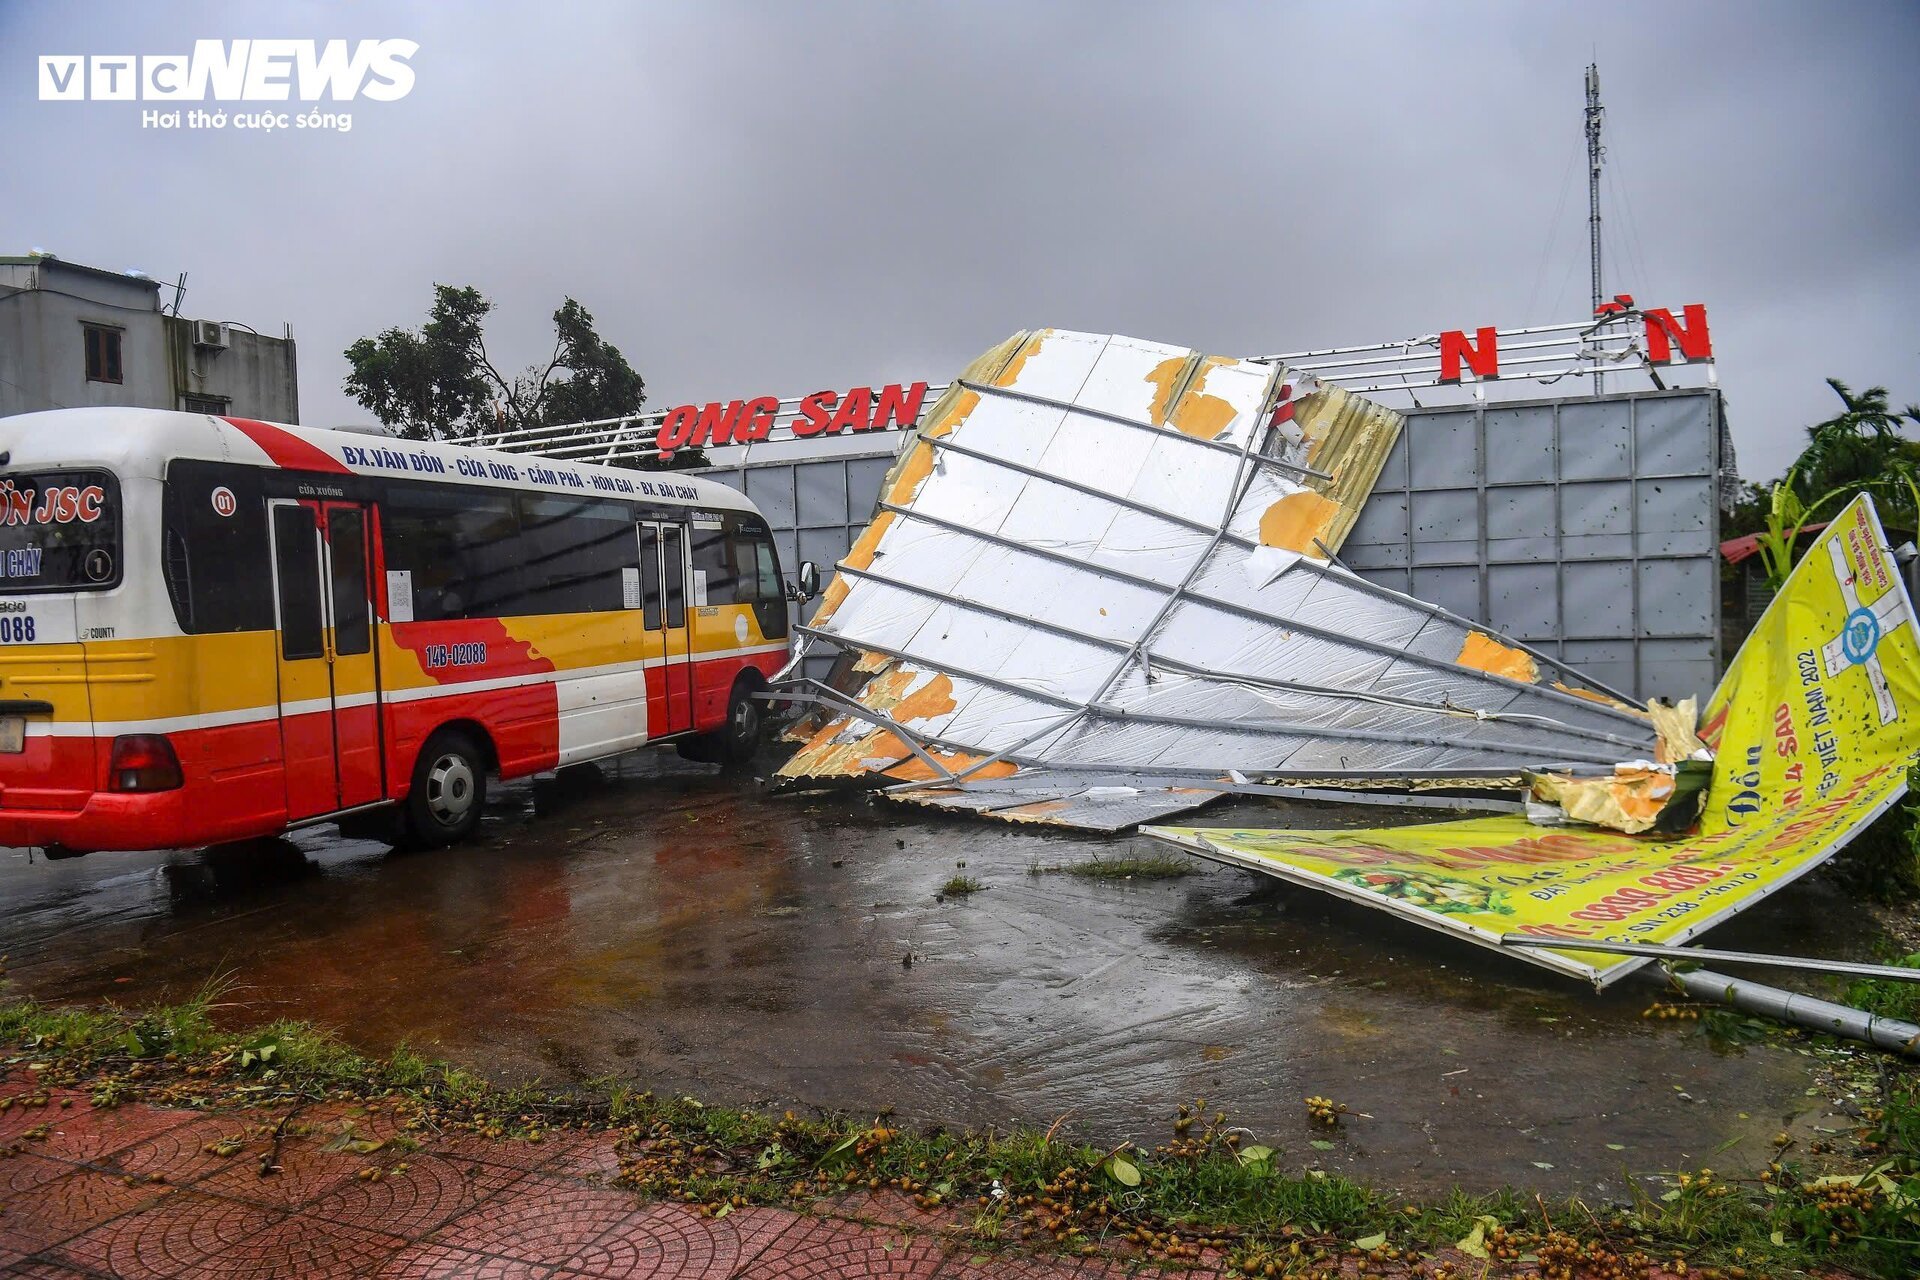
689,932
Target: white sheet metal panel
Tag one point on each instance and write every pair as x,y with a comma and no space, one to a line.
1093,532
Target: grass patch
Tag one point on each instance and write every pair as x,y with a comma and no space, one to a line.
1158,866
1207,1186
960,887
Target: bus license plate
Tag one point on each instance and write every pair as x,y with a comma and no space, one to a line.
13,735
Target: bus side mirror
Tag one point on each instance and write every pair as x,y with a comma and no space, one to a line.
809,580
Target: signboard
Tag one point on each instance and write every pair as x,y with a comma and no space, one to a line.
1814,728
691,426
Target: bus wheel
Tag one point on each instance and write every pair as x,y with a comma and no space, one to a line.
449,789
735,744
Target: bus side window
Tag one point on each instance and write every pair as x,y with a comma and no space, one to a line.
214,548
671,538
650,577
713,565
462,547
296,550
347,552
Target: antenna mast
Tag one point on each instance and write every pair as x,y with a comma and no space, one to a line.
1595,154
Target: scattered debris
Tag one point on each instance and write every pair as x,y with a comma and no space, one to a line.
1816,724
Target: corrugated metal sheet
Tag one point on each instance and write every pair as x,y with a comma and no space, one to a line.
1102,553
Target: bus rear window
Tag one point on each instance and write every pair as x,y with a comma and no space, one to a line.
59,531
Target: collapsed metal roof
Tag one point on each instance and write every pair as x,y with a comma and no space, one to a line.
1106,568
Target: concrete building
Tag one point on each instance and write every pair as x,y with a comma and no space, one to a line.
73,336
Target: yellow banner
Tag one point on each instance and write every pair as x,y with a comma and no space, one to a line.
1814,729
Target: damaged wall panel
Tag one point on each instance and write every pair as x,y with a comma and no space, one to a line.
1114,555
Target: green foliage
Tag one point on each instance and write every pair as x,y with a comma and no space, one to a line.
440,383
433,384
1883,862
1889,999
960,887
1861,448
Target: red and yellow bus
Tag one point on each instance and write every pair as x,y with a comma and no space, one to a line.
213,629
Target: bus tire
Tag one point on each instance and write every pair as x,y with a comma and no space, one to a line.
734,745
449,790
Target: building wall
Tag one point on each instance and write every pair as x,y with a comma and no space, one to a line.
255,374
44,305
43,356
1587,527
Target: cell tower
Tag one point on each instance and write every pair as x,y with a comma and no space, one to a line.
1595,154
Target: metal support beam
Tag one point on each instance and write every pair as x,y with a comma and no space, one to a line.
1266,619
1166,663
1164,433
1525,755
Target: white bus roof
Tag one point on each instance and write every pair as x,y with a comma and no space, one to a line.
140,442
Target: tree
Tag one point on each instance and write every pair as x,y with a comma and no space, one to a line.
440,382
1860,447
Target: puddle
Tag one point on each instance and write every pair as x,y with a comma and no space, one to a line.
692,934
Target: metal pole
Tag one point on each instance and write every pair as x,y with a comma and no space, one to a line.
1758,959
1806,1011
1595,153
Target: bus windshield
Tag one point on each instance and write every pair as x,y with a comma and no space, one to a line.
59,531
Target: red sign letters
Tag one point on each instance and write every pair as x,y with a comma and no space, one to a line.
692,426
1480,354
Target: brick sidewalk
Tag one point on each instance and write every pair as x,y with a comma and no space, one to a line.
134,1192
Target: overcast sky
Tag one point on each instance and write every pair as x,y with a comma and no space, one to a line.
775,198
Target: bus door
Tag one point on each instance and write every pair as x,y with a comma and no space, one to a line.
329,682
663,574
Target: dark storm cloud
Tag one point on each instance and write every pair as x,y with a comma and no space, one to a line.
774,198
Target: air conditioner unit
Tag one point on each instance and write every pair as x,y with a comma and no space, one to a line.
210,333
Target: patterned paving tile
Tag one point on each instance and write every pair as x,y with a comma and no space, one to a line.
430,1192
508,1153
83,1134
66,1206
26,1111
298,1247
307,1172
593,1156
444,1262
549,1220
179,1154
25,1171
167,1238
965,1265
41,1270
662,1242
816,1249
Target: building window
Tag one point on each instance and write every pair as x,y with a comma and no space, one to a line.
215,405
103,353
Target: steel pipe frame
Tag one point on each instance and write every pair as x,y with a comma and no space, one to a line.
1345,577
831,697
1673,954
1165,433
1228,606
1232,677
1104,711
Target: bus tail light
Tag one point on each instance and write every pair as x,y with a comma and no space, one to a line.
143,762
